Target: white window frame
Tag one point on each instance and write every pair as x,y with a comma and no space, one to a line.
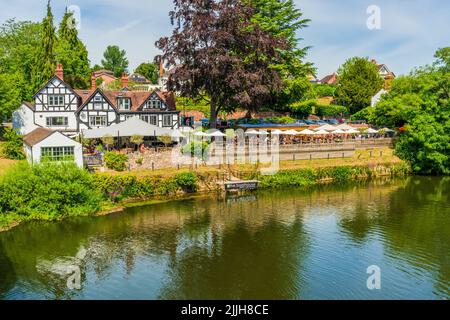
150,119
53,154
56,100
98,121
167,116
124,103
49,121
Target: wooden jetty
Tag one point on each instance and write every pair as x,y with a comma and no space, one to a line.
240,185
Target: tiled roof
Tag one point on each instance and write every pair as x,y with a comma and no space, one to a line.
330,79
84,94
137,97
36,136
29,105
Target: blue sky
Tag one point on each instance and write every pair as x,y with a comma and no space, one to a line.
411,30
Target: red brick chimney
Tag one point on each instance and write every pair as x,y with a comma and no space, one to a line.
59,72
93,82
161,69
124,80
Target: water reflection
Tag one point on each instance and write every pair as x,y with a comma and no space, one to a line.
286,244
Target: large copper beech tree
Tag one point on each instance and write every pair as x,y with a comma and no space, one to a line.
221,55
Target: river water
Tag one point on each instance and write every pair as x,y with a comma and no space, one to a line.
283,244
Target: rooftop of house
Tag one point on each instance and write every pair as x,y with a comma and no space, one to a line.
36,136
329,79
137,97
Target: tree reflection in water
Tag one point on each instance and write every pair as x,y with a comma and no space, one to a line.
257,248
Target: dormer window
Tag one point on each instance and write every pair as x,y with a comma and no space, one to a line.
56,100
154,104
124,103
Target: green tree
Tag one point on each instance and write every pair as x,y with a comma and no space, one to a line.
18,41
45,62
282,19
115,60
358,82
149,70
420,102
223,56
11,93
13,147
72,53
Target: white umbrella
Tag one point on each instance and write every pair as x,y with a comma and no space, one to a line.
263,132
326,127
338,131
128,128
307,132
352,131
292,132
371,131
344,126
177,134
216,133
251,132
200,134
387,130
186,129
321,132
277,132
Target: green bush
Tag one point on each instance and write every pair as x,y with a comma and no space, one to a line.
363,114
13,147
282,120
303,109
331,111
48,191
187,181
115,161
324,90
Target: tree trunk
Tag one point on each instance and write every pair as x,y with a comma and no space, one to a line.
213,117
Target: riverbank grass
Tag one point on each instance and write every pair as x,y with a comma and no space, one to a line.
53,192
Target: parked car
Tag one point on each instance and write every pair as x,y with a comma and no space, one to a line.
357,122
332,121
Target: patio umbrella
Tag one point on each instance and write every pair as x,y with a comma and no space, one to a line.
251,132
307,132
216,133
326,127
200,134
344,126
177,134
128,128
371,131
263,132
277,132
387,130
292,132
321,132
338,131
352,131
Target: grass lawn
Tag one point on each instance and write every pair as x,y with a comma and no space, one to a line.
6,164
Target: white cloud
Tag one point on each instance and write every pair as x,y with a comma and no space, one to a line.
411,29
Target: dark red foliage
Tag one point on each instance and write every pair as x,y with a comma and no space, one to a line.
220,54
